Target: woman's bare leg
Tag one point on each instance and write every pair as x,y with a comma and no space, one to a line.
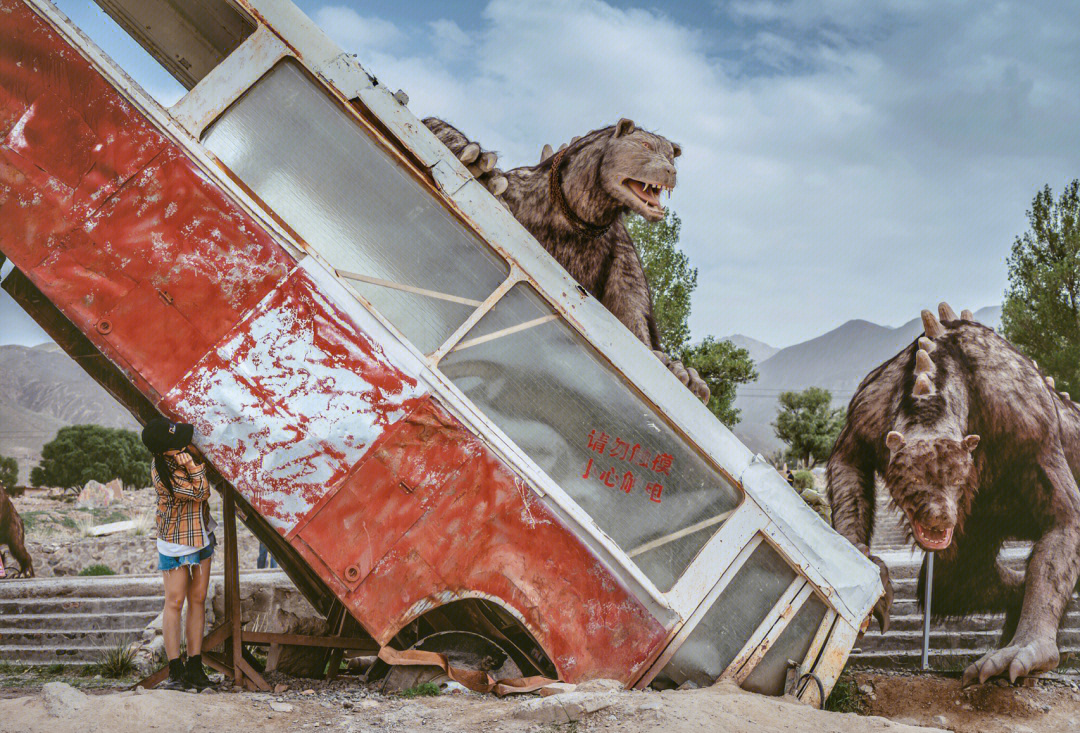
196,610
177,581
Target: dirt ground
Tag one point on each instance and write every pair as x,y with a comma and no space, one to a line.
991,708
896,703
717,709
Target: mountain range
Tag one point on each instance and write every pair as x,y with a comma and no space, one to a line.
42,389
837,360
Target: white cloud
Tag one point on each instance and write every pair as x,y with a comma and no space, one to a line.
450,41
349,28
862,160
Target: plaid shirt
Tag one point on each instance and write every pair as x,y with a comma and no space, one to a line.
182,514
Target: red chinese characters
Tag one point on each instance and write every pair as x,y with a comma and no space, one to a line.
635,454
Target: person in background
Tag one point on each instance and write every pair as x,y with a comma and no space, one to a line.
264,553
185,543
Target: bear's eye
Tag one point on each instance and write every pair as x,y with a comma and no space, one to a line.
646,144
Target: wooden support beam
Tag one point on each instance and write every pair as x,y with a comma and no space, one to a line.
232,585
273,656
251,675
330,642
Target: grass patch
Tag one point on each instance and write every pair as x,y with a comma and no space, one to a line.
97,570
9,668
846,697
117,661
428,689
33,519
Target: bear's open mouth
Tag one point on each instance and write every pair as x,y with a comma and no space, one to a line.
647,193
932,539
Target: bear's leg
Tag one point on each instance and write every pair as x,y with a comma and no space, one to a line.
1051,576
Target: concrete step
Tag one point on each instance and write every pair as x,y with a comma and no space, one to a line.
978,622
71,638
76,605
946,659
40,655
111,586
911,641
72,621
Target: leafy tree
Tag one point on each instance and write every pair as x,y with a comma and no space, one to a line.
808,423
9,473
671,279
723,366
1041,314
80,453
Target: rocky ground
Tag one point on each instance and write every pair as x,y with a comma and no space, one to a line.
56,534
895,703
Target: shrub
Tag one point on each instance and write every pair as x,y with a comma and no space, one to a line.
97,570
428,689
9,474
803,480
117,661
846,697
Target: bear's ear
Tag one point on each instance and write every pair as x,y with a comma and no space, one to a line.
894,440
970,442
677,148
624,127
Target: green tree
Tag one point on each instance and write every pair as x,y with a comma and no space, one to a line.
9,473
80,453
723,366
671,278
1041,314
808,423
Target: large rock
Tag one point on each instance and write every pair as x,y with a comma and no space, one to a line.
270,602
95,495
116,486
62,700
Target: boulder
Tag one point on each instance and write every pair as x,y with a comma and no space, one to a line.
272,603
61,699
94,495
116,486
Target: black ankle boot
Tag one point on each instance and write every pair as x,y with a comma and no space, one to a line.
176,679
194,674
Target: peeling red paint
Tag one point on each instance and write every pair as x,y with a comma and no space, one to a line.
103,213
394,503
472,527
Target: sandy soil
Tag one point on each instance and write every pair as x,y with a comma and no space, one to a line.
721,708
991,708
895,703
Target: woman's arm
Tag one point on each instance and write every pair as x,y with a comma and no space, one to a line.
189,481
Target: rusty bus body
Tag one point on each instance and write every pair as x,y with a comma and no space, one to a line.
419,409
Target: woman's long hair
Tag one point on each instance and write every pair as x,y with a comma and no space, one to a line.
163,470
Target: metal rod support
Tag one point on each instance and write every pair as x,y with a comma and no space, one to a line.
926,611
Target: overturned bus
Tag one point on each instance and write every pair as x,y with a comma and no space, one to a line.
425,418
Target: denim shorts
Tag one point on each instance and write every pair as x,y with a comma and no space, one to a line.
168,562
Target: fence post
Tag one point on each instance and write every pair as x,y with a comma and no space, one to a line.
926,611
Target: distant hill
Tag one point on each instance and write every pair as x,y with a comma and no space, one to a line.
837,360
759,351
41,390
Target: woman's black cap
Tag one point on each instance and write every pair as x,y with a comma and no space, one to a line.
161,435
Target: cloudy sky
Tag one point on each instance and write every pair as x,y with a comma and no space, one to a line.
841,159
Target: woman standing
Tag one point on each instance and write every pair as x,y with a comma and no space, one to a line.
185,543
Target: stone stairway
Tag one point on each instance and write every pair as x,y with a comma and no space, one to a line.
953,642
74,620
